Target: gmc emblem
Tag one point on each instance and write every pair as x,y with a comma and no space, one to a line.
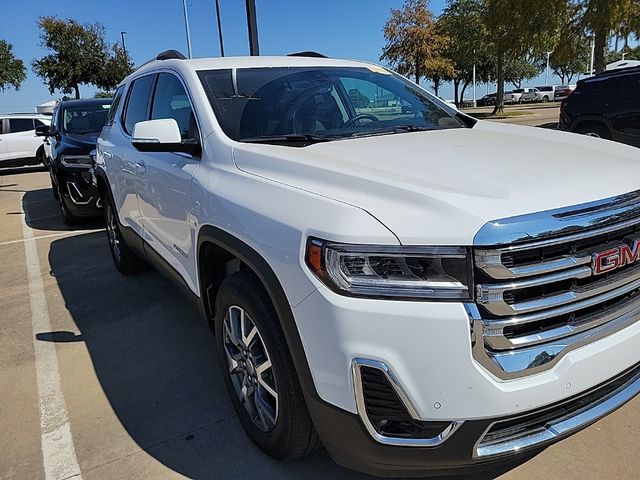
615,257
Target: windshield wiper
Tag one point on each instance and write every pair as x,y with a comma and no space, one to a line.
305,138
391,130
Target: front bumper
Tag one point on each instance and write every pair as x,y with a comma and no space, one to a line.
478,445
428,347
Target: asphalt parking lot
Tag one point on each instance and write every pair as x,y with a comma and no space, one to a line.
121,372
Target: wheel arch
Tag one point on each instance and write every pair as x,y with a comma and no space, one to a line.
221,254
583,120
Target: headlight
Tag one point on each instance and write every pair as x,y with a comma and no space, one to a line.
431,273
76,161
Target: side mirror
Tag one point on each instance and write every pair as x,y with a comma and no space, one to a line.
44,131
162,135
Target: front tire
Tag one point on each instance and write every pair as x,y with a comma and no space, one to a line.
69,219
125,260
258,370
595,129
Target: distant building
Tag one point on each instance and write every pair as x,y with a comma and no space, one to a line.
47,107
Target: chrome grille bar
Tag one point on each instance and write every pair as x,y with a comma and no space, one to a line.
496,339
537,295
492,296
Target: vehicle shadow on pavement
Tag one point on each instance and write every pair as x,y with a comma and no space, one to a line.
156,362
44,213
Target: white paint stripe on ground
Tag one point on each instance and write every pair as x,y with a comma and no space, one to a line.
58,452
59,234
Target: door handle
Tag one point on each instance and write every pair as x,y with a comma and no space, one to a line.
141,168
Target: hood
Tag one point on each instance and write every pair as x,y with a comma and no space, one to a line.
86,141
441,187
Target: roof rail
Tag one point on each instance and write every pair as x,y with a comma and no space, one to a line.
307,54
166,55
169,54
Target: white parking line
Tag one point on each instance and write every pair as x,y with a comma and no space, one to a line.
58,452
70,233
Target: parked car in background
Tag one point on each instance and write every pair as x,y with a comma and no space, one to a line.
546,93
563,91
530,95
71,137
488,100
470,301
19,144
513,96
605,106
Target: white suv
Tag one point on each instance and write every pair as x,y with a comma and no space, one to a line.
18,141
419,290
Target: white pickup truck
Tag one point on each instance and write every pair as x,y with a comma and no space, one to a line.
421,291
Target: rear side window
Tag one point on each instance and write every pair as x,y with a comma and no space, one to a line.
114,106
171,101
20,125
138,102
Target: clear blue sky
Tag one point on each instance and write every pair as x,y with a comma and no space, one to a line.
338,28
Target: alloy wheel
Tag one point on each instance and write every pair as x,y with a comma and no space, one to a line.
250,368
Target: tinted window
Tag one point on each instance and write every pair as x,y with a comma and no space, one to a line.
38,123
1,126
20,125
171,101
138,102
114,106
328,102
83,120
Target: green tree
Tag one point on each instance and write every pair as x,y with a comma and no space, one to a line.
118,66
414,44
520,69
603,18
12,71
103,94
80,56
571,55
463,23
515,31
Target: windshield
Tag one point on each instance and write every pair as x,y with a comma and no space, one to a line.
319,103
84,120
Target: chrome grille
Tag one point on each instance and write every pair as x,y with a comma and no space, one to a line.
538,297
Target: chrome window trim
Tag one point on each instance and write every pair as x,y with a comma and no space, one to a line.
560,427
356,365
562,224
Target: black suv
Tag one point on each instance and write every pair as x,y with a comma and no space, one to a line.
605,106
71,137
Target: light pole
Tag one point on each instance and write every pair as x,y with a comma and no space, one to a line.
252,25
593,54
124,47
186,27
546,78
219,28
474,80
